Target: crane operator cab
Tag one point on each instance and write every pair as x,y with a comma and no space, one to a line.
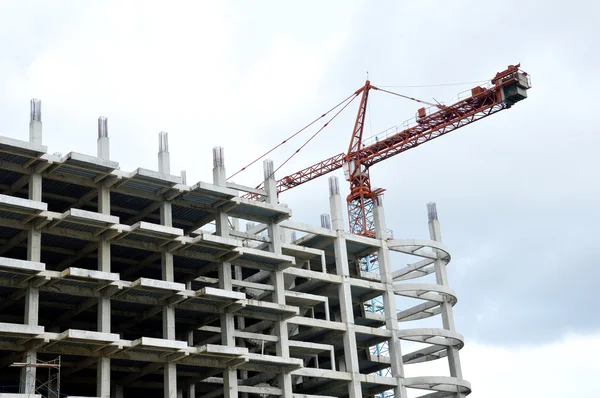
513,84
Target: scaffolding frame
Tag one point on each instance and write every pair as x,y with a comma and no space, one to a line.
45,388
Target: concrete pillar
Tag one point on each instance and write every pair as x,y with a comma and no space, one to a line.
35,122
118,391
345,292
326,220
164,159
34,251
389,300
183,177
281,327
170,380
168,274
441,278
230,385
191,388
103,142
104,308
241,321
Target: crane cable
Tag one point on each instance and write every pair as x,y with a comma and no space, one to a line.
315,134
350,97
439,85
407,97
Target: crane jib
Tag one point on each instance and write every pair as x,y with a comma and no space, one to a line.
504,90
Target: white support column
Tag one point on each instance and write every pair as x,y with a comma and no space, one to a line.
168,272
389,300
230,384
241,321
34,251
277,276
191,388
326,220
345,292
104,309
103,141
442,279
164,159
35,122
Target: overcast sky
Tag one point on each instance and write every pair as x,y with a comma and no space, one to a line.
517,193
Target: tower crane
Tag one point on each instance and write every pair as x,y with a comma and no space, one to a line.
502,92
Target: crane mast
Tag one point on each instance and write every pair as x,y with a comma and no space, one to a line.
502,92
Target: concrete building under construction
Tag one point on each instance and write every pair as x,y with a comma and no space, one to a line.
136,284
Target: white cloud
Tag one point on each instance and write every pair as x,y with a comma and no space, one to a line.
567,368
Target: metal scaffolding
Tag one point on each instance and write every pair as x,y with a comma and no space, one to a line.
44,374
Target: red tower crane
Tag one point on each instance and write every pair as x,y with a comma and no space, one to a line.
503,91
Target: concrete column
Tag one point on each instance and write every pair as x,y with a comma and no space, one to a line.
183,177
168,274
35,122
389,301
118,391
191,388
345,292
170,380
104,309
326,220
241,321
441,278
281,327
230,385
34,251
164,159
103,142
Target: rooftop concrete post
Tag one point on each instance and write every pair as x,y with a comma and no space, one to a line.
442,279
270,183
230,386
164,160
344,290
183,177
326,220
219,173
103,140
389,300
277,278
35,121
34,251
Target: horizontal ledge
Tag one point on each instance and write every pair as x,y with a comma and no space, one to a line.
438,383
